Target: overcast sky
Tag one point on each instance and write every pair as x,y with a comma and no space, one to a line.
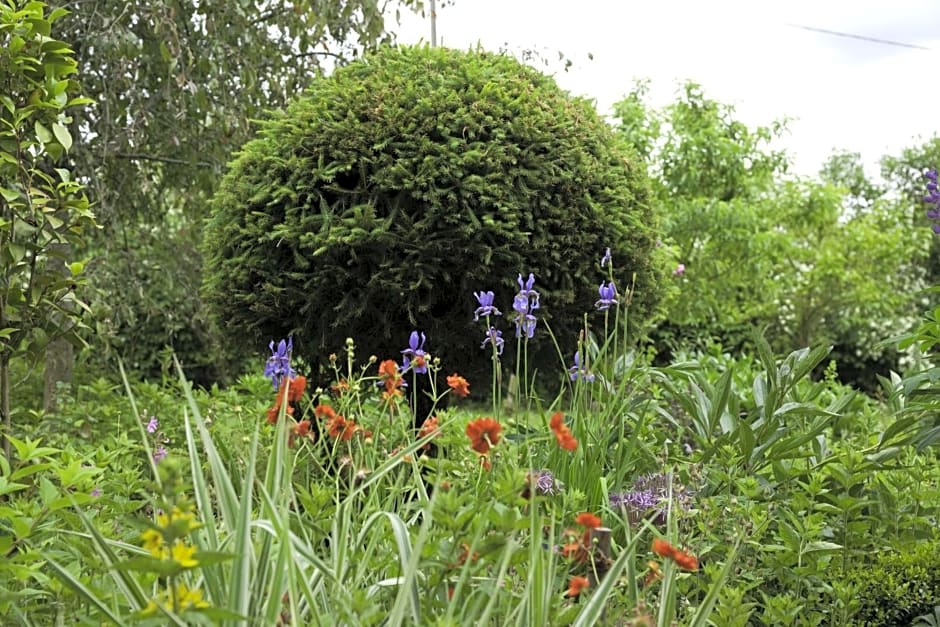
869,97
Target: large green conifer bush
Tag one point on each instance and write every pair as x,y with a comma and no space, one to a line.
391,191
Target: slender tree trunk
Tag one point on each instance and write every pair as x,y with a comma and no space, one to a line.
5,403
60,357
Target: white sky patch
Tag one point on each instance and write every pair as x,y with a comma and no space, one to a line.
839,92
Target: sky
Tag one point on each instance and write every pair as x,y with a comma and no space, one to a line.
759,56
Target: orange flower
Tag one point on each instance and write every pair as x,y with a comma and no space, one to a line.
483,433
388,372
682,559
388,369
340,387
459,385
685,561
663,548
341,428
324,411
562,433
300,430
295,390
465,554
428,428
577,585
586,519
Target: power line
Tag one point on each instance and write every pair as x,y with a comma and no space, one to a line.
836,33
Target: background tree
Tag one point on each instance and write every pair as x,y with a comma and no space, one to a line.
810,261
399,186
44,213
178,85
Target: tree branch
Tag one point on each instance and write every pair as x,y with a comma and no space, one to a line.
143,157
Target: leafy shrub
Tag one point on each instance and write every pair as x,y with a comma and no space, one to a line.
401,184
898,587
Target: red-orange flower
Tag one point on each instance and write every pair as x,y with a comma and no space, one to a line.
685,561
388,372
682,559
562,433
577,585
324,411
586,519
300,430
429,428
483,433
459,385
295,390
340,387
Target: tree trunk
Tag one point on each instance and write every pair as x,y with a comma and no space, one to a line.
60,357
5,403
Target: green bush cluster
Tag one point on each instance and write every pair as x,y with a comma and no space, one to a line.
899,586
391,191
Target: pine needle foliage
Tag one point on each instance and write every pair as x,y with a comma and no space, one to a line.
389,192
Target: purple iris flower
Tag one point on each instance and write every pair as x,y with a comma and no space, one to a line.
578,372
607,259
525,302
525,288
933,198
278,365
486,308
494,337
608,293
415,353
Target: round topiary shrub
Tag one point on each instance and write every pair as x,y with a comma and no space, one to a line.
391,191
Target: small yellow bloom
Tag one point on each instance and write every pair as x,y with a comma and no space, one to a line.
153,541
183,554
187,598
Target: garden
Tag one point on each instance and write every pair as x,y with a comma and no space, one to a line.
406,335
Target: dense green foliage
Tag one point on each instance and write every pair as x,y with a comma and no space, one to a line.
735,487
397,187
44,213
833,261
899,586
177,86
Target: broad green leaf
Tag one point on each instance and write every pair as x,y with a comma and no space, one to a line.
62,134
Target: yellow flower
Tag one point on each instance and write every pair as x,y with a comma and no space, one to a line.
183,554
153,541
186,598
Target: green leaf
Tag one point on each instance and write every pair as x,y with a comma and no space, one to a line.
62,134
42,133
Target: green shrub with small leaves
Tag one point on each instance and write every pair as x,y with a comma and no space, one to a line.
391,191
899,586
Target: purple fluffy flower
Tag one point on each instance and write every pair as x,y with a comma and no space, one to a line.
159,454
933,198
